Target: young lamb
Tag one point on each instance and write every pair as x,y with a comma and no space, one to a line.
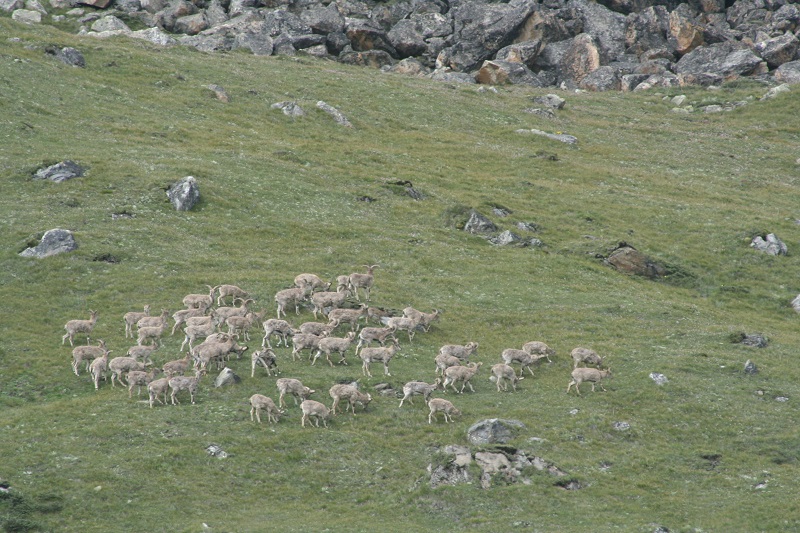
320,329
266,358
74,327
97,369
278,327
444,361
200,300
329,345
140,378
357,281
312,280
401,323
463,374
294,296
142,353
181,317
419,387
153,333
351,394
156,388
321,300
592,375
457,350
132,317
585,355
317,410
441,405
192,333
153,321
512,355
422,319
221,314
503,373
259,402
367,335
347,316
242,324
181,383
540,349
122,365
301,341
229,290
86,354
378,355
294,387
177,367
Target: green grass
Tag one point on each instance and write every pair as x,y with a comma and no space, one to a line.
280,197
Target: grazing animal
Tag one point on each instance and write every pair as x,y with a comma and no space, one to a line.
98,368
437,405
74,327
182,317
419,387
241,324
221,314
177,367
192,333
367,335
462,352
142,353
592,375
278,327
259,402
343,284
266,358
347,316
216,349
294,387
132,317
362,281
540,349
141,379
314,409
181,383
122,365
587,356
444,361
86,354
321,300
504,374
401,323
511,355
312,280
349,393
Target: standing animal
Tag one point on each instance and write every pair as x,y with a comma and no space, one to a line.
348,316
504,374
539,348
229,290
192,333
153,321
295,295
301,341
378,355
329,345
592,375
437,405
216,349
132,317
512,355
587,356
343,284
312,280
98,368
86,354
401,323
351,394
122,365
259,402
422,319
362,281
317,410
153,333
181,317
241,324
319,329
266,358
294,387
462,374
278,327
200,300
181,383
367,335
142,353
462,352
177,367
419,387
156,388
323,300
444,361
74,327
141,379
221,314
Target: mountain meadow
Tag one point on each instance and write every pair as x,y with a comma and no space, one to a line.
712,448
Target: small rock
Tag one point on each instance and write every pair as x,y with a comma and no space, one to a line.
59,172
216,451
226,377
770,244
660,379
290,109
574,411
506,238
26,16
528,226
561,137
713,109
219,92
622,426
493,430
750,368
335,113
54,241
775,91
781,399
550,100
549,114
679,100
184,194
756,340
479,224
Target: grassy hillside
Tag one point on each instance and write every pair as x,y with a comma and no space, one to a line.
281,197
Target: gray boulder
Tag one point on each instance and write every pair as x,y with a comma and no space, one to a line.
505,238
323,19
109,23
552,101
448,75
54,241
493,431
647,30
290,109
605,26
365,35
750,368
59,172
184,194
727,60
770,244
226,377
337,115
26,16
658,378
67,55
788,72
560,137
626,258
580,59
11,5
498,72
778,50
410,37
605,78
479,224
525,52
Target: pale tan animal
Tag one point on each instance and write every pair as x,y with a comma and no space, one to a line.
348,316
86,354
322,300
74,327
181,317
200,300
314,409
362,281
457,350
437,405
294,387
329,345
177,367
295,296
422,319
540,349
460,374
312,280
378,355
132,317
503,375
266,358
278,327
525,360
181,383
444,361
259,402
122,365
156,388
349,393
367,335
153,321
592,375
419,387
141,379
98,368
587,356
230,290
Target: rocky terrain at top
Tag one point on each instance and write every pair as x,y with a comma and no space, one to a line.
609,45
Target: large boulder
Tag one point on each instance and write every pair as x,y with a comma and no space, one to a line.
479,224
626,258
184,194
778,50
524,52
647,30
727,60
788,72
493,431
54,241
581,59
59,172
771,245
684,34
605,26
605,78
323,19
503,72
